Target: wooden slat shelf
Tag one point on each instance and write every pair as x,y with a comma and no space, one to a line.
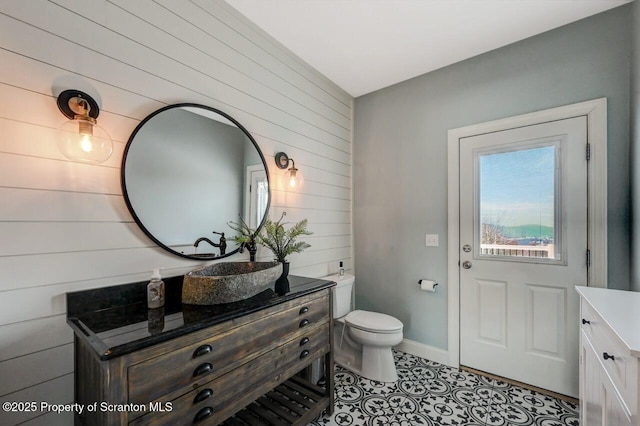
294,402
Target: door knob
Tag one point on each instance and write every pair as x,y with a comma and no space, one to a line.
466,264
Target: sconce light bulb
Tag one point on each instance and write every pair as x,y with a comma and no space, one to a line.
85,129
85,143
292,177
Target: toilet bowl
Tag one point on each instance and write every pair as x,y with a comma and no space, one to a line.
363,339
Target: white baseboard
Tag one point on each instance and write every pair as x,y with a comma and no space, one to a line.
424,351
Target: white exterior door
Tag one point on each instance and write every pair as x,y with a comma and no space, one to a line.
523,246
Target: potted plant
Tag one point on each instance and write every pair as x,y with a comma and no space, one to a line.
283,242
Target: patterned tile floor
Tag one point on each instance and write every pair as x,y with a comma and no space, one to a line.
428,393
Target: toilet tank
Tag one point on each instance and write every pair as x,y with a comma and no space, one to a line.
342,294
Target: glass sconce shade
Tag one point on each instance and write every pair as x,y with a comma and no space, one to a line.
292,177
82,140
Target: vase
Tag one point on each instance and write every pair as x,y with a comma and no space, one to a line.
282,283
285,270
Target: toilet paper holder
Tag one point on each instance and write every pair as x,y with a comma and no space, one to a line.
420,282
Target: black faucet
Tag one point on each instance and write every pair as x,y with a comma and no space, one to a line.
251,246
222,244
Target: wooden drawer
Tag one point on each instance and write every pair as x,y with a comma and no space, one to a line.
197,363
219,398
612,354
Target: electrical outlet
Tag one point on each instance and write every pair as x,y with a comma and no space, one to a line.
431,240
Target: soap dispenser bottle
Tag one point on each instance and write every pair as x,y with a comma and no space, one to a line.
155,291
341,269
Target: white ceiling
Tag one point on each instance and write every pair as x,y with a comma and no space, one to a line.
365,45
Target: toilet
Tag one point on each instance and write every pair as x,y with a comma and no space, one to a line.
363,339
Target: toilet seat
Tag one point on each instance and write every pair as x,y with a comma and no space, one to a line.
373,322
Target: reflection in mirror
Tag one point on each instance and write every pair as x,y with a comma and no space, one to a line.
187,171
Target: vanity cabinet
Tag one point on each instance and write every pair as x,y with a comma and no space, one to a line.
245,366
609,355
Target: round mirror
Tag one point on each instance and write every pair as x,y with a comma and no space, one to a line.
187,171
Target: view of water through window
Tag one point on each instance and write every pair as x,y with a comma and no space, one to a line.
517,203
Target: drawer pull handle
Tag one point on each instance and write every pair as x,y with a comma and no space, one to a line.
304,310
304,322
203,369
304,354
304,341
584,321
203,414
202,395
202,350
606,356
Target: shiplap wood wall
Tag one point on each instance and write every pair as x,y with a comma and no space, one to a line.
65,226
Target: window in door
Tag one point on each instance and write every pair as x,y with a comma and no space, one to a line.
519,202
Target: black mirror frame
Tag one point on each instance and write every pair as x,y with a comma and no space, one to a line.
124,185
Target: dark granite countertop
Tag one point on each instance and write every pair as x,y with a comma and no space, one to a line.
115,320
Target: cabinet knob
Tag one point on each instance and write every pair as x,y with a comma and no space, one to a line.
202,350
202,395
203,414
303,310
606,356
203,369
304,354
304,341
584,321
304,323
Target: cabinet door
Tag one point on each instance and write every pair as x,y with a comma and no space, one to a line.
601,404
591,406
615,413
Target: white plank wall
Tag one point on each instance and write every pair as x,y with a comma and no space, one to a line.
65,226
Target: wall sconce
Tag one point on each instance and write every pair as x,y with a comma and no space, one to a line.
81,138
282,161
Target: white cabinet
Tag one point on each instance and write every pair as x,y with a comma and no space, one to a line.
609,354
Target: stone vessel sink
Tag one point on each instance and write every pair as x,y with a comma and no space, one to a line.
228,282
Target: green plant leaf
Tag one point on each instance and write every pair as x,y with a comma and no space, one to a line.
281,241
245,232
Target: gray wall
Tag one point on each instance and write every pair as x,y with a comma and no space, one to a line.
635,146
400,156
